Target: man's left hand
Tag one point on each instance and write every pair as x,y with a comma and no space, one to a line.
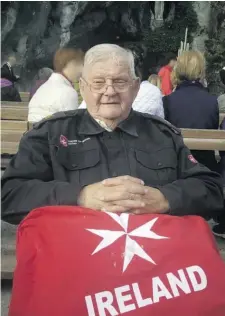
153,199
155,202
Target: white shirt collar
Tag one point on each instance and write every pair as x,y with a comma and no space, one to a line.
58,77
103,125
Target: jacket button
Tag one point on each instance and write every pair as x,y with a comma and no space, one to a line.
74,165
159,164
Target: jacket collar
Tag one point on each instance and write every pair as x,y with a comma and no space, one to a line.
89,126
188,83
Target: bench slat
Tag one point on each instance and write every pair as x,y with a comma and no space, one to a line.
14,104
14,113
8,266
12,136
203,133
7,125
206,144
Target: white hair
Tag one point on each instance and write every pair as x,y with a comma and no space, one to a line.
102,52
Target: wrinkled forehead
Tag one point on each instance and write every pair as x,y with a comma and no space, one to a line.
110,67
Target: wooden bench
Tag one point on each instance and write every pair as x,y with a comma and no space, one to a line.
13,125
17,111
204,139
12,132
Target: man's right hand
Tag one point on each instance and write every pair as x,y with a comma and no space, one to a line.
100,197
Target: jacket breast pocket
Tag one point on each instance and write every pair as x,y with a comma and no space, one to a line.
156,168
81,166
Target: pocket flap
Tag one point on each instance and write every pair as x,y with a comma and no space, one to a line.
165,158
78,160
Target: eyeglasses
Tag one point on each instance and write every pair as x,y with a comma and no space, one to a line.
101,87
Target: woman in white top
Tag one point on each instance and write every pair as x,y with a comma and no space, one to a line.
58,93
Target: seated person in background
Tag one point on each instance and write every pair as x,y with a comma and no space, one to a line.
165,74
58,93
8,91
221,98
41,77
190,105
155,80
108,157
219,230
148,99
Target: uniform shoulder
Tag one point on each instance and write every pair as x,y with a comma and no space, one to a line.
160,121
63,115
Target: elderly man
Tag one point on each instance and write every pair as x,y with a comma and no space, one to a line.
108,157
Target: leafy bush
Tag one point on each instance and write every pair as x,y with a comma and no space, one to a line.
168,37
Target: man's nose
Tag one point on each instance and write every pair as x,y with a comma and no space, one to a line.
110,90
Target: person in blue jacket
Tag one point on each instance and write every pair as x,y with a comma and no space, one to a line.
219,230
191,105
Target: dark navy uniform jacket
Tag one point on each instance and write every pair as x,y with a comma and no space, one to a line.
70,150
191,106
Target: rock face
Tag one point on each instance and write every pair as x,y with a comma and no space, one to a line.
202,9
35,30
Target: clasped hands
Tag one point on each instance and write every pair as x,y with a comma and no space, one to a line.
123,194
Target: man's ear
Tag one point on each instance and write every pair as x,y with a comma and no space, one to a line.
81,85
137,83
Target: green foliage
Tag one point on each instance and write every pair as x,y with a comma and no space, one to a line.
168,37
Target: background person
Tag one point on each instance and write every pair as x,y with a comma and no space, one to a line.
41,77
149,97
221,98
190,105
219,230
7,68
155,80
58,93
165,74
8,90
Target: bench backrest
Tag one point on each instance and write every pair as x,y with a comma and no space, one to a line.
204,139
193,139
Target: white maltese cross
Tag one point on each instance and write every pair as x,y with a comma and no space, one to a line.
131,246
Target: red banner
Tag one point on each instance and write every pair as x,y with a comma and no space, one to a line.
73,261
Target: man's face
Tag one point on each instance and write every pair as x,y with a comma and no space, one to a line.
113,103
